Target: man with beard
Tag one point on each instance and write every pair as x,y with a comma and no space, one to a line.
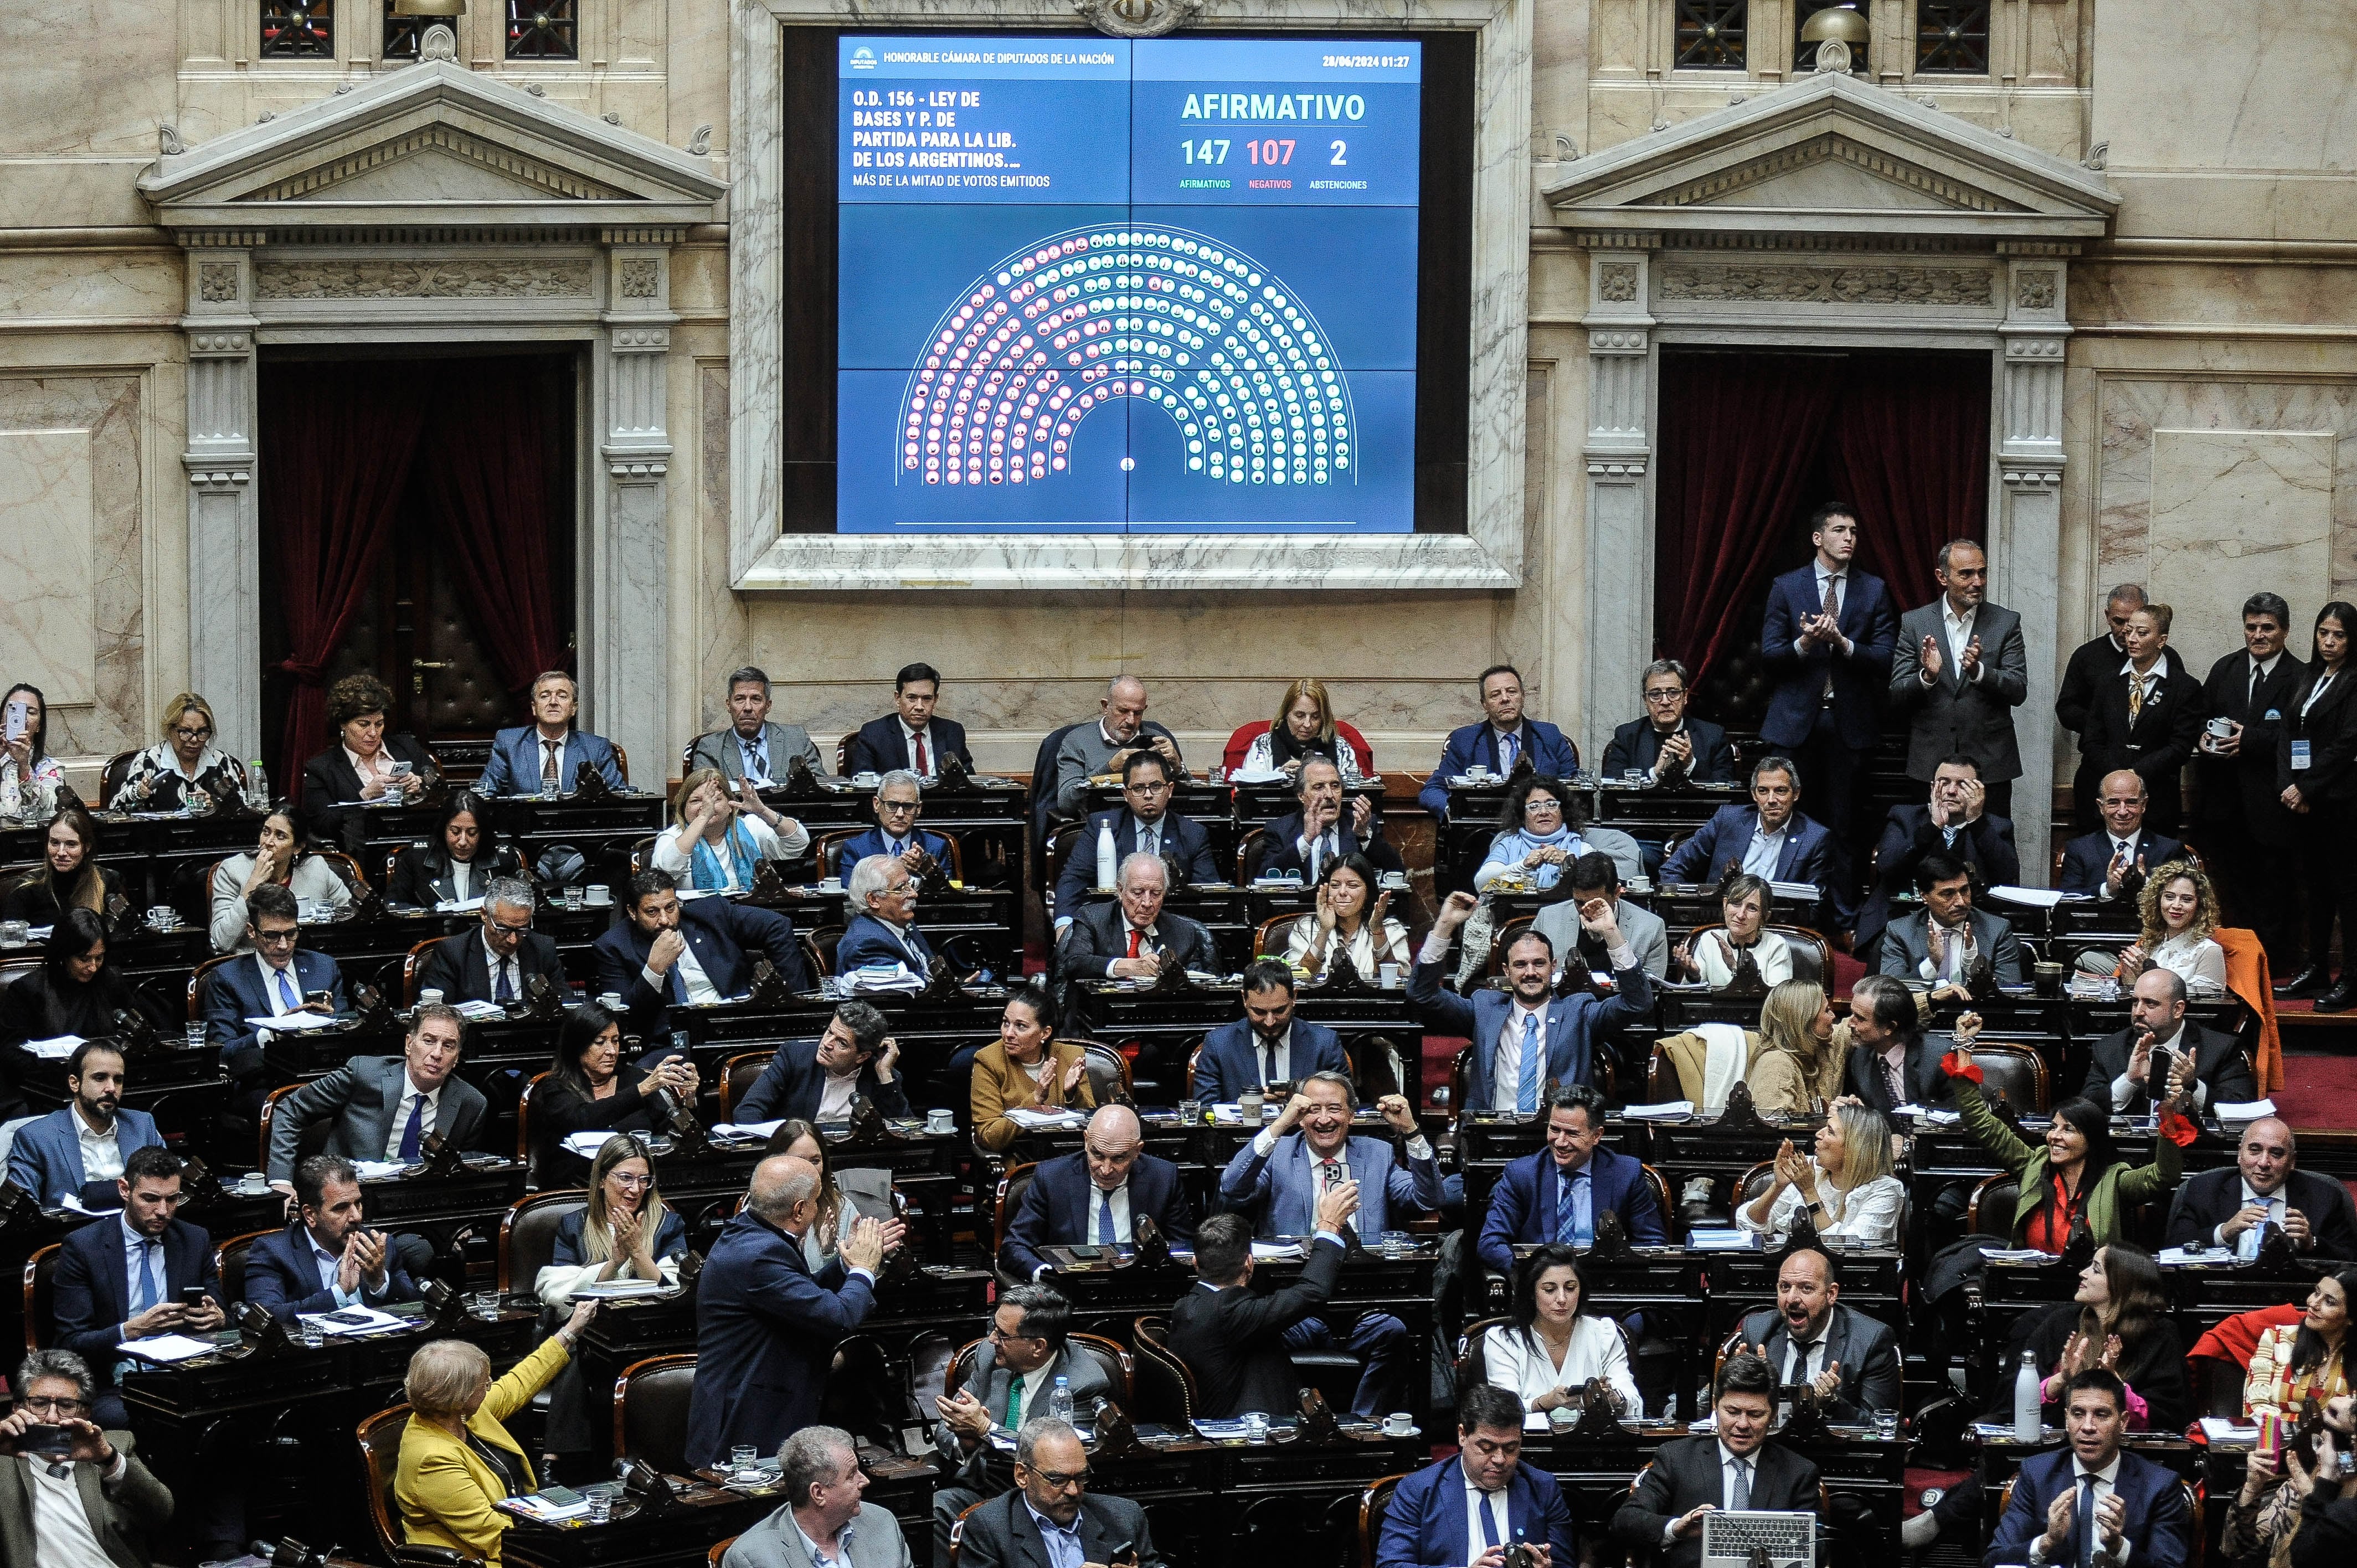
325,1260
1809,1336
1268,1044
79,1150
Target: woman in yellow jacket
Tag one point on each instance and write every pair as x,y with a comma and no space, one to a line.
457,1460
1026,1068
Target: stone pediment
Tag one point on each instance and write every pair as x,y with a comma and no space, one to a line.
1831,149
432,145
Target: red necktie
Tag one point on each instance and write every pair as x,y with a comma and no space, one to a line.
1133,943
923,767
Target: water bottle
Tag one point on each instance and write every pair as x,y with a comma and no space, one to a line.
257,787
1059,1400
2028,1422
1106,868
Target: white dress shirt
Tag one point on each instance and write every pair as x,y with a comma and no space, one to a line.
2324,680
1277,1067
932,762
411,1094
540,744
2149,679
102,1152
1506,1066
330,1265
1805,1362
1959,631
1728,1463
2124,1088
1145,943
1475,1544
834,1097
1116,1200
1840,580
493,963
1766,850
1960,952
2106,1480
701,992
2246,1245
61,1525
278,1007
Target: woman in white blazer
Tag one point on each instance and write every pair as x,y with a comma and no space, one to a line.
1550,1348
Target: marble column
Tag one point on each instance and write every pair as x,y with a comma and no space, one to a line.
2025,524
1619,453
628,637
224,534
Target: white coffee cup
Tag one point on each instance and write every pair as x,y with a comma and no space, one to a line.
2220,728
1388,974
1399,1424
940,1121
429,998
599,895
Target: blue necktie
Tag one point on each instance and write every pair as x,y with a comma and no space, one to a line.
2086,1520
505,993
1489,1521
678,982
1508,746
1105,1238
1568,1231
287,993
412,1135
1526,1093
757,758
146,1292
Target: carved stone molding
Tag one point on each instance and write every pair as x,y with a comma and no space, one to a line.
224,344
1137,18
452,279
1617,342
2035,348
441,139
641,339
2032,480
217,283
218,481
1829,149
636,473
1616,282
637,278
1795,284
2034,290
1618,471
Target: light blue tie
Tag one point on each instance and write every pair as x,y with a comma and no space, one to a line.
1489,1521
1567,1227
1526,1093
146,1291
1105,1238
287,993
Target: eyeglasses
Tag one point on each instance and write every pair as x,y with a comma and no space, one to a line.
274,939
630,1183
1667,694
1058,1481
181,732
507,930
1000,1337
39,1404
897,806
1150,785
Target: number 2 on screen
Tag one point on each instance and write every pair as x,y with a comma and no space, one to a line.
1340,147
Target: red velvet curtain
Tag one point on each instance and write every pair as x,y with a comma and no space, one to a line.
486,478
1910,449
334,458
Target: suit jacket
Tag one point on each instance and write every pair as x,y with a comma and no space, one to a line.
866,939
1523,1206
1720,844
1003,1534
2207,1200
719,750
1233,1339
1551,752
363,1096
1640,927
1905,945
46,1158
1908,835
1862,1348
421,876
329,781
1860,676
766,1328
1926,1084
2092,662
282,1275
92,1298
1574,1023
2242,788
2331,729
790,1087
233,993
1283,1187
723,934
1638,745
853,850
513,767
122,1514
1231,1061
2218,1062
458,967
1428,1526
2085,859
1951,714
2157,1527
1100,933
777,1542
1685,1474
879,747
990,1383
1185,845
1279,850
2159,743
1055,1209
444,1487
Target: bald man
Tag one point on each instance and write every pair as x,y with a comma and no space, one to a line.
766,1327
1120,730
1095,1198
2113,863
2225,1208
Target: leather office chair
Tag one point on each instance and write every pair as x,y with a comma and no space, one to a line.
1270,939
823,941
412,963
1116,1363
1250,850
229,1263
528,1234
1011,1189
1990,1212
650,1400
719,1550
738,1074
311,1141
346,868
110,776
40,1305
1472,1357
197,980
1108,1071
866,1395
1166,1387
526,1151
379,1446
1374,1503
2017,1071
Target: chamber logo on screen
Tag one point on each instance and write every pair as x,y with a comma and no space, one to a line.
1055,332
863,58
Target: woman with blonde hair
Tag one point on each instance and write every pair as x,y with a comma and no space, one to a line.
1799,1059
1845,1185
1304,727
626,1231
162,777
721,839
2180,911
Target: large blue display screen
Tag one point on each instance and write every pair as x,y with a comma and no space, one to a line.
1104,285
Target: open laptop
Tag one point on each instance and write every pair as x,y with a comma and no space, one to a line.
1730,1540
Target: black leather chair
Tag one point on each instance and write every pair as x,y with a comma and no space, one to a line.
528,1235
650,1400
1166,1389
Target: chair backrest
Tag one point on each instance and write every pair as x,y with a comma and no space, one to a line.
111,777
1373,1504
842,753
2018,1071
1755,1181
651,1412
229,1262
410,962
1472,1357
1165,1388
345,867
1508,934
1108,1071
1271,939
823,941
1661,1187
1991,1210
719,1550
1461,1079
528,1234
1043,780
40,1297
738,1074
9,1135
1119,1369
622,760
380,1444
310,1141
196,977
1011,1189
1058,850
866,1395
827,850
525,1149
1248,851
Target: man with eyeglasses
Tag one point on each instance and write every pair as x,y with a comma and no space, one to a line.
1013,1370
1052,1517
1096,1197
1665,746
900,801
499,963
89,1504
1144,825
125,1281
278,978
1304,843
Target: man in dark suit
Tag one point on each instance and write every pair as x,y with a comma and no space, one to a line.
766,1328
2121,1066
1304,843
1483,1497
1736,1468
1146,825
1808,1337
2146,717
2093,1502
751,747
1233,1339
1768,838
1051,1479
382,1108
1097,1196
47,1160
817,1080
882,930
274,980
1890,1062
911,736
2098,660
2226,1208
1130,938
1665,746
1941,941
665,952
1500,742
1828,637
546,756
899,801
497,963
2247,834
1268,1046
2111,863
1558,1192
1507,1074
111,1504
1029,1348
123,1280
1956,822
327,1260
1961,667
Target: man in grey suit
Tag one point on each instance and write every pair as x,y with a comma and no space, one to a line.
1808,1337
825,1521
1942,941
751,747
1014,1372
1051,1481
1962,668
1596,875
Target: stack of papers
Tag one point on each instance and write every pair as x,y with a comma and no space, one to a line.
1666,1110
2019,1255
166,1348
748,1129
884,977
377,1170
614,1290
1277,1251
1256,776
2218,1430
1722,1240
2036,897
287,1023
534,1505
1798,891
1030,1117
1232,1427
2177,1258
586,1144
57,1047
476,1012
459,905
355,1320
2243,1112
